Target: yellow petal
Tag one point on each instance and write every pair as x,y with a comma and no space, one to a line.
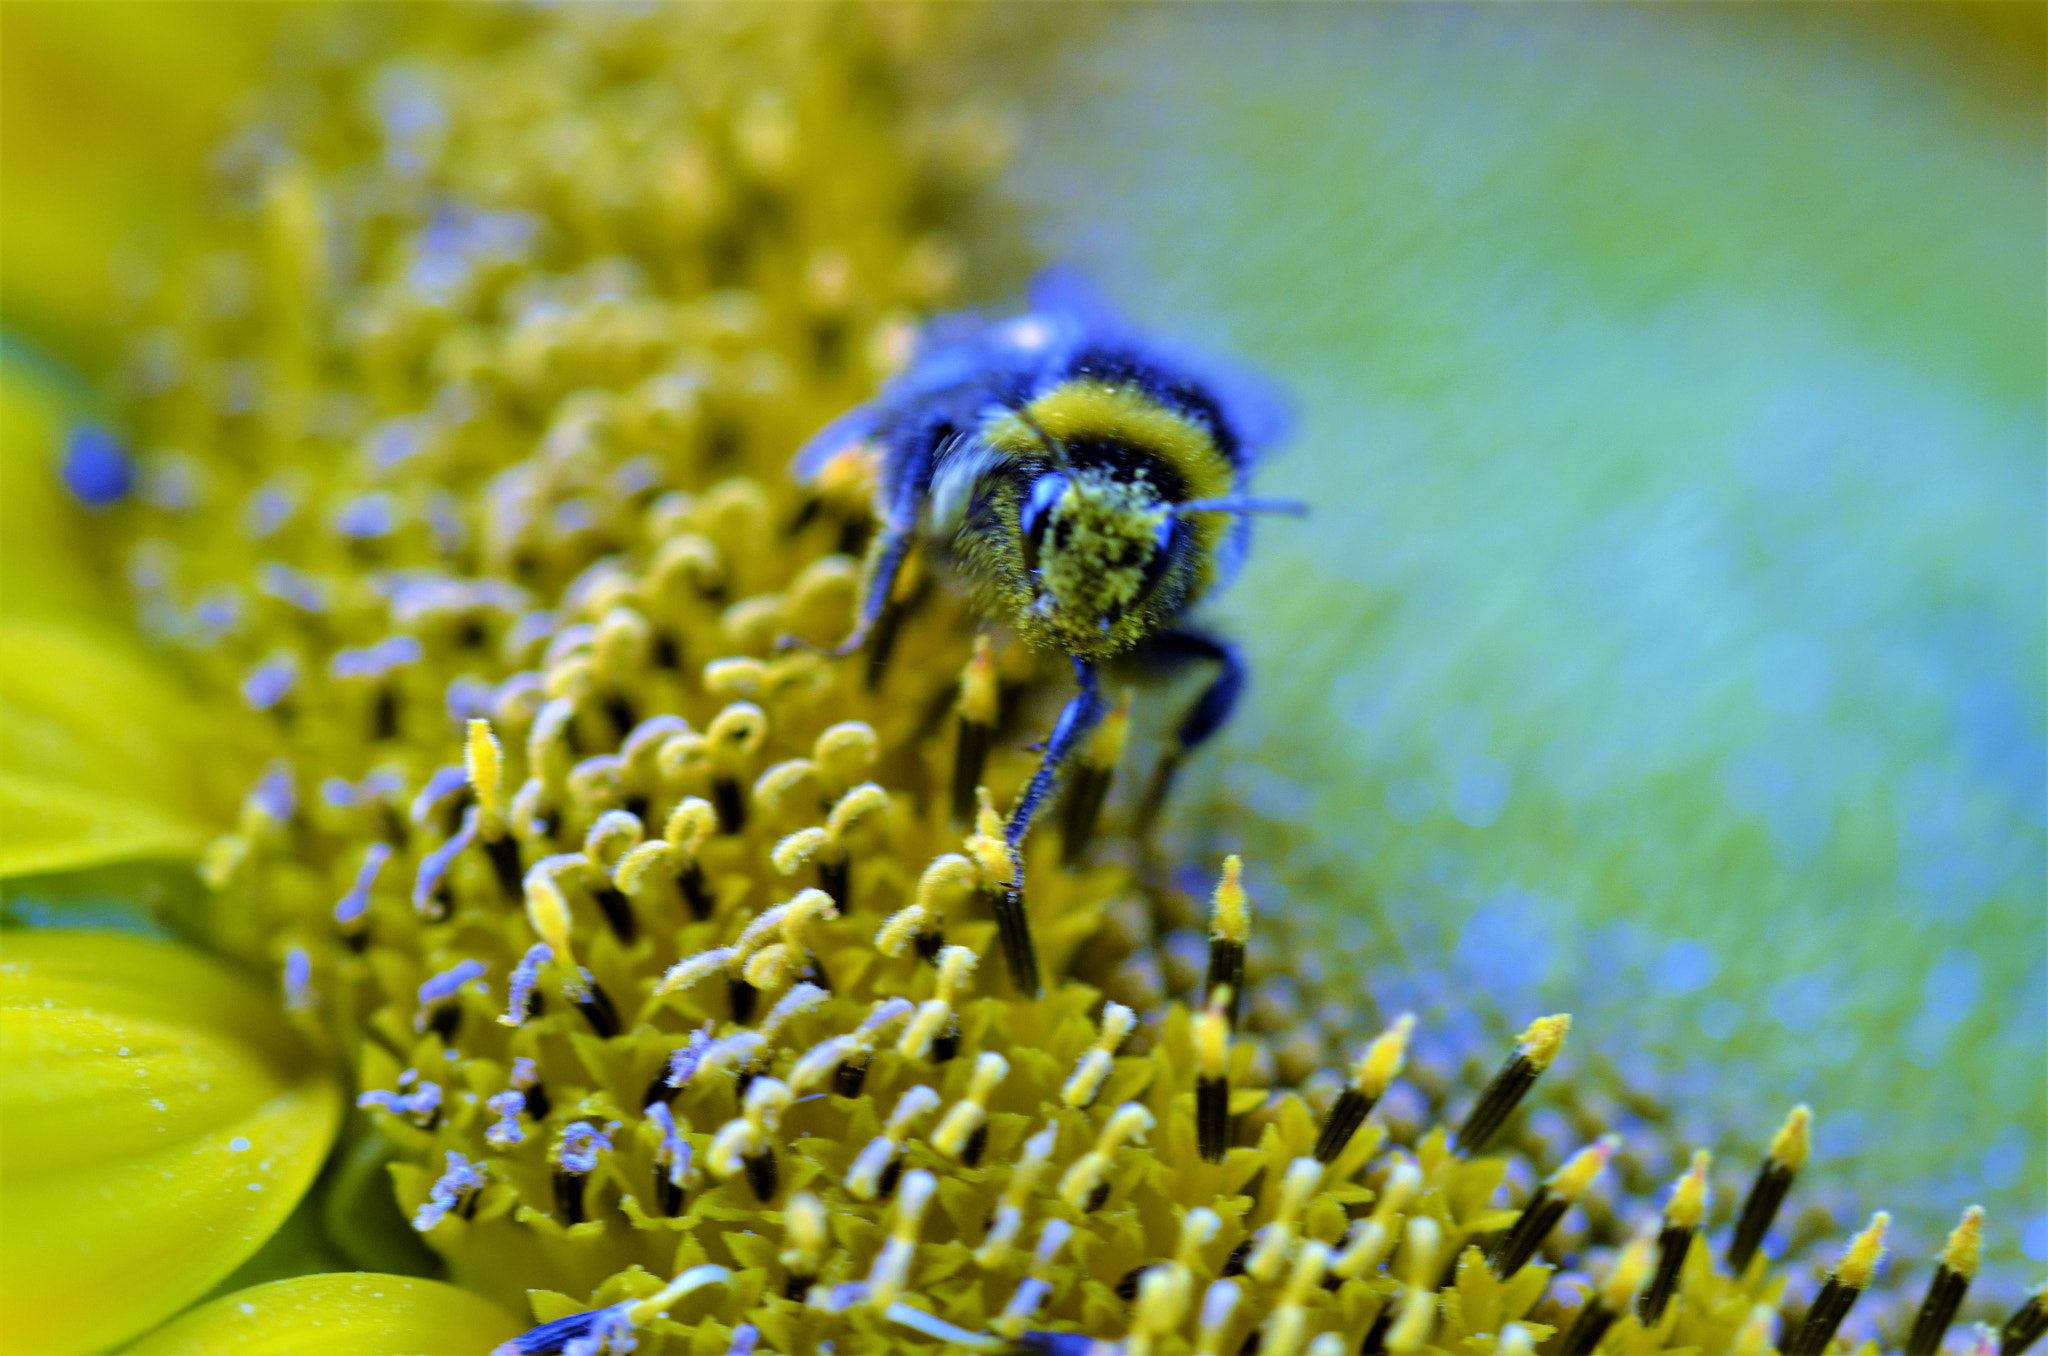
105,759
162,1121
352,1314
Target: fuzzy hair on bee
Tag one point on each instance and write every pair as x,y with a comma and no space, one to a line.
1088,484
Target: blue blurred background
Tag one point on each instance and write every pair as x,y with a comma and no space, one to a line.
1667,643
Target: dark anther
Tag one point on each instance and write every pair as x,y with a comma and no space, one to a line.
637,805
1013,927
1253,1340
882,640
690,880
729,801
1212,1117
1527,1233
1813,1333
1672,1243
1588,1328
384,714
1097,1198
2025,1326
621,711
537,1104
814,973
1375,1343
569,1196
834,880
444,1021
977,1145
742,996
618,912
466,1205
1496,1104
946,1044
742,1080
885,1185
1226,966
969,757
503,853
597,1009
1233,1265
658,1090
1080,808
1127,1284
1766,1194
930,942
795,1286
850,1077
1346,1114
762,1175
355,939
667,1194
806,514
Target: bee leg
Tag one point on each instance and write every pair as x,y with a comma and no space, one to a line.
1169,650
1082,713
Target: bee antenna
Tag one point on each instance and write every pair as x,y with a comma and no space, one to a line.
1052,445
1237,503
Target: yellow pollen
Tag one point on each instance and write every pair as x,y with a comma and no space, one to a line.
1230,916
484,759
1860,1259
1794,1141
1381,1063
689,824
1688,1204
1543,1039
1578,1173
1965,1247
978,692
968,1114
1630,1271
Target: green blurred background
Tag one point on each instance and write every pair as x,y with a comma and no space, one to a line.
1667,642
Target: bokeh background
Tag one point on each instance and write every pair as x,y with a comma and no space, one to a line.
1667,644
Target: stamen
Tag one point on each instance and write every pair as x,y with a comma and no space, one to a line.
935,1013
422,1105
734,735
575,1156
1851,1276
1002,887
1369,1239
1534,1052
1269,1251
968,1117
1009,1218
1411,1328
671,1153
451,1192
357,900
525,976
1088,784
803,1223
976,728
1084,1184
1788,1152
427,897
2025,1326
891,1269
1230,926
437,995
506,1131
1682,1217
1958,1267
749,1142
1552,1199
1375,1069
1097,1061
1212,1077
872,1173
1609,1301
1289,1322
1219,1305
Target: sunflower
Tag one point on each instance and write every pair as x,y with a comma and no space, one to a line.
651,978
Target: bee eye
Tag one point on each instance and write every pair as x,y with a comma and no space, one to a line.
1046,491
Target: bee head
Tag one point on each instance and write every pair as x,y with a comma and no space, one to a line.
1104,557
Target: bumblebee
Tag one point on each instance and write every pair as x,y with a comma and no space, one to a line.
1086,483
